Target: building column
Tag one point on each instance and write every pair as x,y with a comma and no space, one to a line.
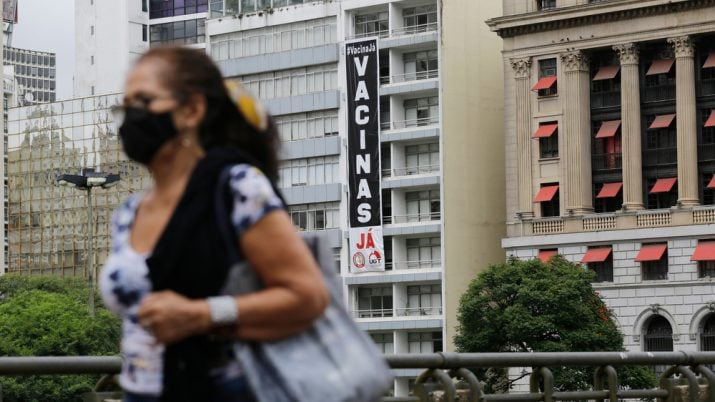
522,75
631,127
687,121
576,134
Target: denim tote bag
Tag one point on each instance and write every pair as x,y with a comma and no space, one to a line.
333,361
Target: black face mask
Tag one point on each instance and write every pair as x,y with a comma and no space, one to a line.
143,133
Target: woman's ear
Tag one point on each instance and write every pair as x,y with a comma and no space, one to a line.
192,114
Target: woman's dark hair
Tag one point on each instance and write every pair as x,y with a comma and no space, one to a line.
190,72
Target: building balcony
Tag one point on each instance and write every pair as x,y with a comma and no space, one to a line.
643,219
659,93
399,312
409,124
409,77
412,218
706,87
660,156
413,265
600,100
410,171
605,162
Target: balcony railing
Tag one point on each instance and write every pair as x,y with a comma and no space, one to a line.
695,379
706,87
414,29
385,33
410,171
426,217
407,77
659,93
607,161
605,99
654,218
418,311
706,152
380,313
398,124
660,156
419,264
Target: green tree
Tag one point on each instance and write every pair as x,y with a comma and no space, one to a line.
529,306
48,316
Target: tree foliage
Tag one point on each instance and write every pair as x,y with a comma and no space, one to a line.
529,306
48,316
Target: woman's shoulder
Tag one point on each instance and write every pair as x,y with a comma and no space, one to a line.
253,196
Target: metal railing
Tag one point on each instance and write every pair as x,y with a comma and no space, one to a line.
410,171
407,77
398,124
426,217
450,371
401,265
414,29
418,311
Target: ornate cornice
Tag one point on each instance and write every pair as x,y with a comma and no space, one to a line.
683,46
555,23
627,52
574,61
521,66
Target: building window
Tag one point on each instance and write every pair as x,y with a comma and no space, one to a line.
707,334
420,159
420,65
172,8
313,217
659,82
286,83
145,5
607,149
145,33
372,24
422,206
179,32
424,342
424,300
419,19
706,269
548,196
605,83
385,342
545,4
91,30
374,302
654,261
421,112
548,137
91,60
301,126
608,197
603,269
423,252
547,70
308,172
661,193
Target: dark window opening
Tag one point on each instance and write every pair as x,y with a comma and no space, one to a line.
549,146
603,270
551,207
545,4
655,270
706,269
707,334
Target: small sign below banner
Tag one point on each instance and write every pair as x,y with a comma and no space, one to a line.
366,250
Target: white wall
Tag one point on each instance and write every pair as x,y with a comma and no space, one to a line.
116,43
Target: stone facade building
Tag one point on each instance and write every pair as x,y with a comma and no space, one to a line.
610,149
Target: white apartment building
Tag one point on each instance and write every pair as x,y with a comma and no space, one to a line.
109,36
291,55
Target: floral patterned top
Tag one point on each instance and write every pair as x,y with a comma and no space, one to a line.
124,281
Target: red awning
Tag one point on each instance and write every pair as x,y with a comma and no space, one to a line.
546,194
710,61
711,120
651,252
705,251
545,255
607,73
663,185
544,83
597,254
608,129
545,131
662,121
660,67
610,190
712,183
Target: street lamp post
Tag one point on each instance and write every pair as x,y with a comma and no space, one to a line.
86,182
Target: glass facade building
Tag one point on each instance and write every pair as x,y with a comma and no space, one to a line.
47,223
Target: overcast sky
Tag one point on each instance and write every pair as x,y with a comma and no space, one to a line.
48,25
